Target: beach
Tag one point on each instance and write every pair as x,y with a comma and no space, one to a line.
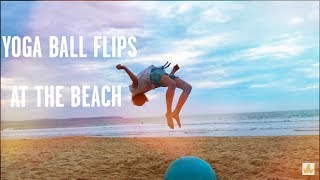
148,158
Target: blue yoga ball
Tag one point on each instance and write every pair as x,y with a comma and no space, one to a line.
190,168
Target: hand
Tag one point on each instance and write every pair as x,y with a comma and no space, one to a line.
119,66
176,67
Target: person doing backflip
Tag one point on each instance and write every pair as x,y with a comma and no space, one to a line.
155,77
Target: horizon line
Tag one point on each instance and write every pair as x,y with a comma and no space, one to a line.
91,117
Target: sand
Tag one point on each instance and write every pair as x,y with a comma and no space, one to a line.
148,158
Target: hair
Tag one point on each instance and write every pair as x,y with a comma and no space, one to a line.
139,99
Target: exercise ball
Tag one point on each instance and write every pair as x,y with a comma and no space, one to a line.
190,168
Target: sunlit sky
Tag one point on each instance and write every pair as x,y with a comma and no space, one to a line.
238,56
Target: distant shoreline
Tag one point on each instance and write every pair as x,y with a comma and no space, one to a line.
302,122
110,117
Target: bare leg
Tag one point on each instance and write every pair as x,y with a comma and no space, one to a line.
186,88
166,81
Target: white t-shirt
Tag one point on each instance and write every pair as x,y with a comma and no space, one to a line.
144,83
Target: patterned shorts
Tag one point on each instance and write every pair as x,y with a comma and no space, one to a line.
156,75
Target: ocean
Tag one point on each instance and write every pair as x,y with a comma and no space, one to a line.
278,123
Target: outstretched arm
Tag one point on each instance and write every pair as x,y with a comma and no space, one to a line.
131,75
175,69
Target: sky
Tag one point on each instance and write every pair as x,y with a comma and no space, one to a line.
238,56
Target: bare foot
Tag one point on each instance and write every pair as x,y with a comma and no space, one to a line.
170,120
177,118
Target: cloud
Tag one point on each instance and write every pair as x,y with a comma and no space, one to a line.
310,87
152,95
283,48
279,51
218,84
183,51
7,83
169,10
90,66
313,13
137,32
215,15
81,18
205,42
296,20
309,72
261,85
47,18
220,72
5,102
211,17
85,19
